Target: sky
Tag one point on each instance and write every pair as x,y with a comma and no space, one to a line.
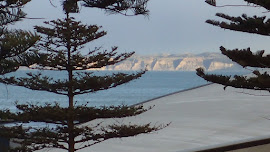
173,26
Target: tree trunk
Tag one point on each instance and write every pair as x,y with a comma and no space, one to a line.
71,137
71,142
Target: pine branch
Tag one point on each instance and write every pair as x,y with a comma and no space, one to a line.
13,49
32,139
245,57
262,3
260,82
98,60
58,115
6,17
13,43
54,61
256,3
40,138
86,114
84,83
70,6
13,3
255,25
93,60
56,37
38,82
10,11
124,7
88,83
115,131
7,66
59,49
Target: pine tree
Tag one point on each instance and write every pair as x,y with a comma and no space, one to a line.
14,44
60,46
244,57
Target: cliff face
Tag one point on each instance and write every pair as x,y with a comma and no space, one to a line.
190,64
187,62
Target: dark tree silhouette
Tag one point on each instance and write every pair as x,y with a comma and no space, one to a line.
60,45
244,57
14,44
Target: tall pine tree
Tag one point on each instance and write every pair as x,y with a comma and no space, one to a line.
14,44
245,57
60,46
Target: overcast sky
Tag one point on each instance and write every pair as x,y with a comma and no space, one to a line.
174,27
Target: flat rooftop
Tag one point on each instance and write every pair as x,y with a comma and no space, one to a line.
205,116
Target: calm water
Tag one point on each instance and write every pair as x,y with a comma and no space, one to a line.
150,85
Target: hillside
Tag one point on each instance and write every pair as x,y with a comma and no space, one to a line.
173,62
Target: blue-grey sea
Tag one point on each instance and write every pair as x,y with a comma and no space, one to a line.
151,85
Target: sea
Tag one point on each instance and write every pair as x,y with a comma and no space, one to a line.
151,85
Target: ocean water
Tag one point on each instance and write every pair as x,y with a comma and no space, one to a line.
151,85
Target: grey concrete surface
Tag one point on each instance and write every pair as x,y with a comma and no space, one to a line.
202,117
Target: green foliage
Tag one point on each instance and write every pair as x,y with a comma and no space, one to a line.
14,43
244,57
57,137
10,11
13,50
260,82
83,83
70,6
53,113
255,24
262,3
53,137
136,7
62,42
124,7
70,35
59,48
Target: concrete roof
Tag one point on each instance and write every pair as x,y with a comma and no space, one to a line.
201,117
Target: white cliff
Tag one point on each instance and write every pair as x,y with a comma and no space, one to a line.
190,64
164,63
185,62
219,66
